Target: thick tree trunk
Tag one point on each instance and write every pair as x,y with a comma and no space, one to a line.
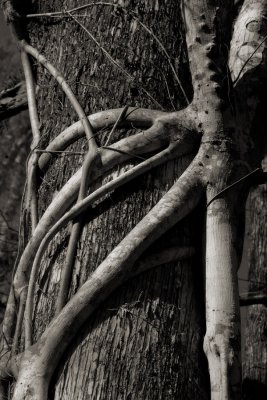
145,341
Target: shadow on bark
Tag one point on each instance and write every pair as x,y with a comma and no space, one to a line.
253,389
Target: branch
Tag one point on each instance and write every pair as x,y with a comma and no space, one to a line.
13,101
248,299
256,175
31,196
65,87
120,117
87,171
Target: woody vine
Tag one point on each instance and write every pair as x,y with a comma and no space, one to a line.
220,173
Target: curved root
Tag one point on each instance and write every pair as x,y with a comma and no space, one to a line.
42,358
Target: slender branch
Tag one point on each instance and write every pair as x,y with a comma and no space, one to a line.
30,88
121,117
65,87
248,299
74,236
61,152
13,100
255,172
31,193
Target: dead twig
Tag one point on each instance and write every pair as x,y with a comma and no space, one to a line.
120,118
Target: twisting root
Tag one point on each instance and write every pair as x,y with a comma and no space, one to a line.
31,199
89,159
171,152
9,368
74,237
159,135
64,86
42,358
56,209
135,117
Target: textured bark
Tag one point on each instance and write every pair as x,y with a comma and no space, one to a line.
248,68
145,341
14,142
12,179
255,363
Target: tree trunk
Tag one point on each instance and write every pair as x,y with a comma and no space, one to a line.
145,340
255,363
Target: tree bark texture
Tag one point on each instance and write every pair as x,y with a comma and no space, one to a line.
145,341
255,364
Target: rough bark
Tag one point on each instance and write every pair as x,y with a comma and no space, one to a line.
145,340
255,363
248,68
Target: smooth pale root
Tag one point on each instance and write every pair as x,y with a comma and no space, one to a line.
41,359
134,118
174,150
222,339
62,202
147,262
150,140
209,26
66,89
87,172
169,127
31,194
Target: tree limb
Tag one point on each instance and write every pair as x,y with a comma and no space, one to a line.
13,100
